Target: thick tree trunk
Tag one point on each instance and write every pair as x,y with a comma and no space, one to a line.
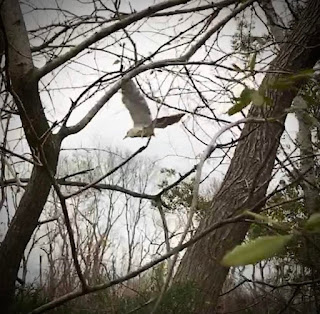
24,89
250,170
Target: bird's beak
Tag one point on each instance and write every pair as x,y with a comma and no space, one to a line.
125,137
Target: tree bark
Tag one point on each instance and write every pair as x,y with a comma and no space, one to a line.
309,253
307,161
20,78
248,176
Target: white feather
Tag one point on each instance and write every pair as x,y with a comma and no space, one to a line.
136,104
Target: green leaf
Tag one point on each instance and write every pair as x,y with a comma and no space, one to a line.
304,74
243,101
257,98
313,223
280,225
252,63
259,217
281,83
255,250
285,82
236,67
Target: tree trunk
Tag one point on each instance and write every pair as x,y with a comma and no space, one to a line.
309,253
248,176
24,90
307,161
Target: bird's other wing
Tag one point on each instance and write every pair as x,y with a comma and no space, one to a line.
136,104
165,121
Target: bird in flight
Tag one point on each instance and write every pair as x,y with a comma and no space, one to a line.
143,125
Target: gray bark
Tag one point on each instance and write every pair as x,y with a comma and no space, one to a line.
307,162
248,176
309,254
24,89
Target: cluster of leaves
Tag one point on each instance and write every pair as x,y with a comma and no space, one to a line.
311,95
249,47
247,96
290,214
257,97
180,197
243,41
279,231
28,299
181,298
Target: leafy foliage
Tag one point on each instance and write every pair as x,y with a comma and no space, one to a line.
247,96
243,40
27,299
281,210
180,299
255,250
180,197
313,223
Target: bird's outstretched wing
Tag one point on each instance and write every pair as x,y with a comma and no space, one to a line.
136,104
163,122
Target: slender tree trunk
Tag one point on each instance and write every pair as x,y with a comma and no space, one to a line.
307,162
24,90
310,253
250,170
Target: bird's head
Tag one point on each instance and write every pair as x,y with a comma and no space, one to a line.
140,132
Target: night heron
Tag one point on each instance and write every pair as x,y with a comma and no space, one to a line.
143,125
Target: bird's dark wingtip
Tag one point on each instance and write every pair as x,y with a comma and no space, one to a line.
168,120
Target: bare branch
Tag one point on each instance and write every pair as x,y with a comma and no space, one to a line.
142,148
104,33
166,62
73,295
